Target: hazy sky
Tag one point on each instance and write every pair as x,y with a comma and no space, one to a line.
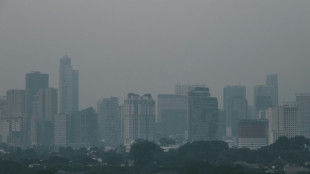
147,46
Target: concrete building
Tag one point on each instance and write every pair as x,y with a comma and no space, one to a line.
235,107
68,87
11,129
266,96
303,114
202,115
44,109
252,134
16,101
282,121
172,115
34,82
62,127
138,118
109,121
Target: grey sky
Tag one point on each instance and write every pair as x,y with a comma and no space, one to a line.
146,46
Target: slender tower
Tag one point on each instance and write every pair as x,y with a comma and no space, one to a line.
68,87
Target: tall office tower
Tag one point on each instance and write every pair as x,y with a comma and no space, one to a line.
16,100
62,128
138,117
235,107
263,98
303,114
266,96
183,89
252,134
202,115
84,130
272,80
282,121
44,110
34,82
68,87
172,115
109,119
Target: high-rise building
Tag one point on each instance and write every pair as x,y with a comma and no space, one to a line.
235,107
272,80
172,115
282,121
44,110
266,96
62,128
138,118
303,114
68,87
109,119
202,115
34,82
16,100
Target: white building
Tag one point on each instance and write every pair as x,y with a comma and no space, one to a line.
61,129
138,118
282,121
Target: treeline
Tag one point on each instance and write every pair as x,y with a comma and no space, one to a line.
200,157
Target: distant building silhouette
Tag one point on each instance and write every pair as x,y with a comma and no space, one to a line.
109,121
34,82
68,87
172,115
183,89
202,115
16,101
266,96
282,121
235,107
138,117
303,113
44,110
62,129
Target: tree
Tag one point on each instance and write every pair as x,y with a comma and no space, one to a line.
144,152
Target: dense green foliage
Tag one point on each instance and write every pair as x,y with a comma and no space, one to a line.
200,157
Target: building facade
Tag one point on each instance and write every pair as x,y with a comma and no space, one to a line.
282,121
303,114
138,118
109,121
202,115
235,107
68,87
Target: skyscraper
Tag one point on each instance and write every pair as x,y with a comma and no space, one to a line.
109,120
235,107
266,96
303,114
138,117
44,110
272,80
282,121
172,115
16,101
34,82
68,87
202,115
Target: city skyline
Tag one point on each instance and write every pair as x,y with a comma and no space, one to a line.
149,46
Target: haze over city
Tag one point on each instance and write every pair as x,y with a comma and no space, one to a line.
149,46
